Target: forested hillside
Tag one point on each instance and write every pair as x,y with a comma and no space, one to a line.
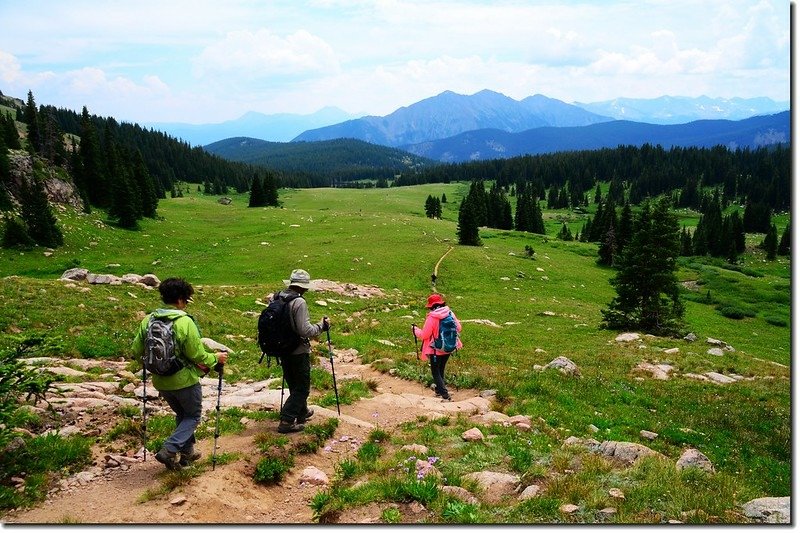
322,163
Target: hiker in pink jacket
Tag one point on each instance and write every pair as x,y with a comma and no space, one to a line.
429,333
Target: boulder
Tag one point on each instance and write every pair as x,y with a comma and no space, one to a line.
716,351
496,486
313,476
628,337
692,458
626,452
649,435
772,510
565,366
418,449
531,491
691,337
150,280
75,274
471,435
461,494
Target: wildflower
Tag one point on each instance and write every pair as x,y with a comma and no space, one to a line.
432,460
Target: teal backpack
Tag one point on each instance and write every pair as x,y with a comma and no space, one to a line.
447,340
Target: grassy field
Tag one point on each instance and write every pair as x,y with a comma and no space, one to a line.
545,306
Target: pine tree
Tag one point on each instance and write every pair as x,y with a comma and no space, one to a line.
36,213
686,243
608,248
784,246
93,180
625,231
646,285
15,235
144,182
430,207
10,133
444,198
537,221
468,233
256,192
770,243
564,234
31,117
270,188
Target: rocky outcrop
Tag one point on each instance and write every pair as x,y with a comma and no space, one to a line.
57,189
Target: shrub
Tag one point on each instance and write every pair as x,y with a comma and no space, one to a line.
272,469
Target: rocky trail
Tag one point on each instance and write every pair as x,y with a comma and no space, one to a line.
110,492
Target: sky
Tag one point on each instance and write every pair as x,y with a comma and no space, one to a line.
203,62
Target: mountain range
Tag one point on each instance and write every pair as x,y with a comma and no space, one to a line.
281,127
495,144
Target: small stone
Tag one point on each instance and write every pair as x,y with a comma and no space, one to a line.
473,434
719,352
531,491
627,337
178,500
568,508
607,511
616,493
649,435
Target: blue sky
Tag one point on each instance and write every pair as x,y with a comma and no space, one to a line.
201,61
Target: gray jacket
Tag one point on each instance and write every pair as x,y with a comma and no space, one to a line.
301,321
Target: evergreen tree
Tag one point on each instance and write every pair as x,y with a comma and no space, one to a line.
646,285
737,232
430,207
598,196
5,177
608,248
522,220
564,234
257,198
31,117
625,231
770,243
92,179
36,213
686,243
784,246
144,183
537,221
444,198
468,233
699,240
10,134
15,235
271,190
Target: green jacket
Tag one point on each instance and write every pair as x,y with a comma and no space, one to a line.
189,347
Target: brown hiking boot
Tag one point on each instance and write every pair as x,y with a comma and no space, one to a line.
309,414
189,456
289,427
168,459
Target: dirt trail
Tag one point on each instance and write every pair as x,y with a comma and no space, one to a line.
228,494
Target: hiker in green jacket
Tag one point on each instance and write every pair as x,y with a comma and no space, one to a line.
181,390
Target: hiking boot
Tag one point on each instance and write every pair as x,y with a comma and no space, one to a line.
309,414
189,456
289,427
168,459
446,397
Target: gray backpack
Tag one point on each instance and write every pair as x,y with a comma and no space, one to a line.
160,357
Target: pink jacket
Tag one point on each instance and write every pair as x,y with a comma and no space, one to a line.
430,330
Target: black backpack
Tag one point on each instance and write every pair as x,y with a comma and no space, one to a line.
275,334
160,357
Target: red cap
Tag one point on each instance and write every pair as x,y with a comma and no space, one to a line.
434,299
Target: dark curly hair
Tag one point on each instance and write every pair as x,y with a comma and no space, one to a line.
174,289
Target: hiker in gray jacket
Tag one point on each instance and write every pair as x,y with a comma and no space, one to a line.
297,365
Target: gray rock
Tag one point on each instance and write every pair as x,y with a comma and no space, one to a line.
313,476
496,486
418,449
488,393
691,337
692,458
531,491
626,452
150,280
628,337
461,494
716,351
649,435
75,274
471,435
772,510
565,366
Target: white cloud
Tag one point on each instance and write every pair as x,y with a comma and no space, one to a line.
262,54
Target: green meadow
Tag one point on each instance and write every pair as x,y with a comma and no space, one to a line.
542,307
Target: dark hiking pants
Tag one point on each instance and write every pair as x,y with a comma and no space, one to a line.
187,404
297,373
438,363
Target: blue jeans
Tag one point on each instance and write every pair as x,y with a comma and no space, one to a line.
187,404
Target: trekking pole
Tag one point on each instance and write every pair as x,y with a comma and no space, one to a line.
144,413
416,345
283,384
333,372
219,368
